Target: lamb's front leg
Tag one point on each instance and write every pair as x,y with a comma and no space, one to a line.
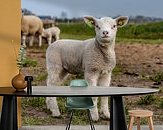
104,80
92,80
55,77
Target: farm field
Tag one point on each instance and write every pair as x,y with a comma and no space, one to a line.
139,64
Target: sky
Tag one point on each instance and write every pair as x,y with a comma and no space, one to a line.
98,8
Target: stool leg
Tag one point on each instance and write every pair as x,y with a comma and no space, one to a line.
138,123
131,123
150,123
68,125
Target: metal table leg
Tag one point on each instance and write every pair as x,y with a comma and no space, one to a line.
9,113
117,114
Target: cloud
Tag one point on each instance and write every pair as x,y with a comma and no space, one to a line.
76,8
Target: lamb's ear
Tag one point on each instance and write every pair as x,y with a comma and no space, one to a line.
90,20
121,21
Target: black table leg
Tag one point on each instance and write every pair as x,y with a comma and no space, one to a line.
117,114
9,113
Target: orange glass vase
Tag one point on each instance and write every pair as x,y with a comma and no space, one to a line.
18,82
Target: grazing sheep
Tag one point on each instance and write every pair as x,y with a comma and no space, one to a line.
31,25
95,57
49,33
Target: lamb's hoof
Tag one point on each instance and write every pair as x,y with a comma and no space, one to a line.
95,116
56,114
105,115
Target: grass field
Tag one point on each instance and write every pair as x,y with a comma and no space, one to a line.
131,31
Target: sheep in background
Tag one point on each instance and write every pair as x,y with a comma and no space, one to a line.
52,32
31,25
95,57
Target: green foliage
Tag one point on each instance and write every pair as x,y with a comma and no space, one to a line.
42,77
117,70
76,29
29,63
141,41
21,57
75,36
80,117
161,103
158,77
34,101
61,103
132,31
38,120
142,31
33,120
146,100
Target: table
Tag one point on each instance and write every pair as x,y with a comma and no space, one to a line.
117,115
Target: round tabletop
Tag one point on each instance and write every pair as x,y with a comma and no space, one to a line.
65,91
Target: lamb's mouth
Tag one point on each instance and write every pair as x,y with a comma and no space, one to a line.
105,37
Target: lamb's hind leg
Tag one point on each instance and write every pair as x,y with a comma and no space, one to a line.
40,40
24,40
49,40
104,80
31,40
54,79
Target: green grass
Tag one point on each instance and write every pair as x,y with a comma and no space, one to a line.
34,101
146,100
153,31
142,31
117,70
157,78
41,77
75,36
148,33
140,41
76,28
29,63
161,103
34,120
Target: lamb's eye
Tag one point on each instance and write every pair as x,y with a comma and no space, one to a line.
97,26
114,26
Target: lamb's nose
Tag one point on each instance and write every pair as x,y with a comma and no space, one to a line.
105,32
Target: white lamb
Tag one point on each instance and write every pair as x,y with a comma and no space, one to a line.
95,57
49,33
31,25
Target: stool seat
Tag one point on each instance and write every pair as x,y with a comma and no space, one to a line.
140,114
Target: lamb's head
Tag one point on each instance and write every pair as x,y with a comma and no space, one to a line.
106,27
